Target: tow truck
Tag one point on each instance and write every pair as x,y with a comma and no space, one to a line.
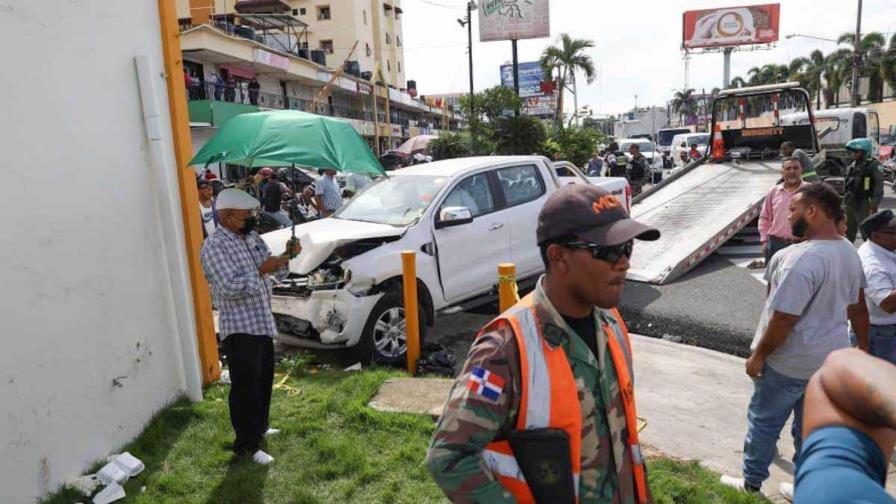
709,201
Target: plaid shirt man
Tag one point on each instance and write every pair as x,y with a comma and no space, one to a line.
328,189
243,297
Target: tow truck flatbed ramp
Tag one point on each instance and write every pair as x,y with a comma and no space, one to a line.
697,211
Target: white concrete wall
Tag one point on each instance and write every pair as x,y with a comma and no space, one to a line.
89,341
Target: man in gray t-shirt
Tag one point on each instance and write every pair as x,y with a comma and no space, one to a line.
814,288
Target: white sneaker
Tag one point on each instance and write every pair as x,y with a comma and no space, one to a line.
271,432
736,483
262,458
786,490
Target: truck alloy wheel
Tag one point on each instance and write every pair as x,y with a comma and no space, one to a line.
390,333
384,340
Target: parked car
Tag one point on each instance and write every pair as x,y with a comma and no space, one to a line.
683,142
462,216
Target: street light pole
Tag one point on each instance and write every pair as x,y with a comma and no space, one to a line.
857,59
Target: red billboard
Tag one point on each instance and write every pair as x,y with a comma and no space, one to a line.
731,26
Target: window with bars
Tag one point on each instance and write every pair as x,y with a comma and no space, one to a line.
323,13
327,46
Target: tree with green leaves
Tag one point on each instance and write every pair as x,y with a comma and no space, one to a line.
872,49
449,146
684,103
567,59
521,135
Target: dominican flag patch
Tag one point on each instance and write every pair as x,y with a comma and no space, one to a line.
486,384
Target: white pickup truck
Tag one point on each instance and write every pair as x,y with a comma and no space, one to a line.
462,216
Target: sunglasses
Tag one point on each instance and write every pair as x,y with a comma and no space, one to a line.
610,254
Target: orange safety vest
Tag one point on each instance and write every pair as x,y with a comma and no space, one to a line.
549,399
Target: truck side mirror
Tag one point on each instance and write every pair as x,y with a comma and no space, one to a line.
454,216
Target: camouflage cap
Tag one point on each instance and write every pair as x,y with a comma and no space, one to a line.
591,213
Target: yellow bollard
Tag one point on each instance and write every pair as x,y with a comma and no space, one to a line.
412,321
507,292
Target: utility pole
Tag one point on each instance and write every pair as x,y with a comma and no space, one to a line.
516,75
857,59
468,22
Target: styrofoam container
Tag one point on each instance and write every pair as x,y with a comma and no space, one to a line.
128,463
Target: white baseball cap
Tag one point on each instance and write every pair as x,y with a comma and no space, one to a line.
235,199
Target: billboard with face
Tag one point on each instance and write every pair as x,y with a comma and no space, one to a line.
731,26
513,19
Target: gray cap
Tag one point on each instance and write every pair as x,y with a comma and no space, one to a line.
591,213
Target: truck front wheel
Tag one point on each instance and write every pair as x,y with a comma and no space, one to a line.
384,339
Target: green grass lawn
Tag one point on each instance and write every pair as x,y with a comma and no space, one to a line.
332,449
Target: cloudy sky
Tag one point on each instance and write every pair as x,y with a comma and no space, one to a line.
637,44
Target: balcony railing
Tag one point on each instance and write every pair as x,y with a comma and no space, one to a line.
234,93
239,93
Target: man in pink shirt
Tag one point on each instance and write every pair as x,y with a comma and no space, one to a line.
774,228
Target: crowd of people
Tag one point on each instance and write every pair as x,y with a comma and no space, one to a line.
222,88
635,167
544,406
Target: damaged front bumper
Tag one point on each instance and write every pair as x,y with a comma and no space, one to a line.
325,319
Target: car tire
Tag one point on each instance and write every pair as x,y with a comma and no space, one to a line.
384,339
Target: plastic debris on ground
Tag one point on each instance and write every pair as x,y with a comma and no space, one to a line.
128,463
85,484
111,493
354,367
436,360
225,376
111,473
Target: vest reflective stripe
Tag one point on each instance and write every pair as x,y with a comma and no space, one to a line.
503,464
538,398
621,350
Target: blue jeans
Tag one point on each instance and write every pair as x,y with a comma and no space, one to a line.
882,341
775,396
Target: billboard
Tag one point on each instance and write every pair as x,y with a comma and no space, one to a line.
731,26
530,74
513,19
535,101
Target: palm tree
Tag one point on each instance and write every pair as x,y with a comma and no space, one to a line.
837,68
808,72
872,49
888,65
684,103
737,82
568,58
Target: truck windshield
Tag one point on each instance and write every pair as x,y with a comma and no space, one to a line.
665,136
397,201
754,122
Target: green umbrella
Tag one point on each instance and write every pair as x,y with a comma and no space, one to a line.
290,137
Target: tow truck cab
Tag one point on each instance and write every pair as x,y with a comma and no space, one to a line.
750,121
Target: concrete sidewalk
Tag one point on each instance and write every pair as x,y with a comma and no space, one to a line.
695,403
694,400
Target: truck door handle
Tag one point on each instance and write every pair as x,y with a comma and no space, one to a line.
496,226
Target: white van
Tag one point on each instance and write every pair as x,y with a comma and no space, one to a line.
665,136
682,143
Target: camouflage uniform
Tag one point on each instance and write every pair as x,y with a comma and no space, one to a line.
471,421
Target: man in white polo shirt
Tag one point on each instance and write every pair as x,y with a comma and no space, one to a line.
878,255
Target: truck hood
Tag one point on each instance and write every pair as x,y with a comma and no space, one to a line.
321,237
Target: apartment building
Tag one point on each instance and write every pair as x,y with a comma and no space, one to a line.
292,49
335,25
